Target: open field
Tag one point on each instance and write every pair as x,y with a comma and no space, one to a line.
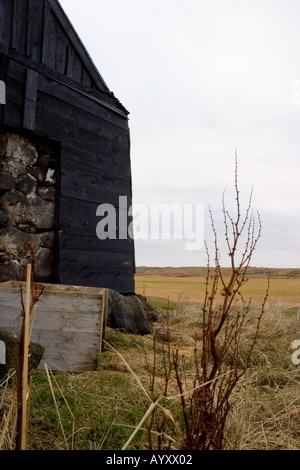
252,272
188,284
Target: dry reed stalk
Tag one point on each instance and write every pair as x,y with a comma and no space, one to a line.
47,368
167,413
155,433
145,417
276,416
7,423
130,370
7,419
56,406
69,409
100,446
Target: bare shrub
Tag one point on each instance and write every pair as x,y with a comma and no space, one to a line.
220,356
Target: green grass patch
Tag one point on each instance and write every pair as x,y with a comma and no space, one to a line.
98,401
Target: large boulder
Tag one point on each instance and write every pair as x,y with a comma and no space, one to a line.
130,313
11,342
150,311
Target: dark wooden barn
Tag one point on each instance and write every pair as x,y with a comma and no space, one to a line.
78,153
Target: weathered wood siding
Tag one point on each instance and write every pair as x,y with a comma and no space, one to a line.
69,323
55,92
39,30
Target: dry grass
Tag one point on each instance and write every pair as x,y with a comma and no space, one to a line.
101,409
266,409
266,404
8,412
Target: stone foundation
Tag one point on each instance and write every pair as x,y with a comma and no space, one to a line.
27,207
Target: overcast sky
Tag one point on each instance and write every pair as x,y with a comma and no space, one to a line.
202,78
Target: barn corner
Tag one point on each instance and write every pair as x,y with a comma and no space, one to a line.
64,150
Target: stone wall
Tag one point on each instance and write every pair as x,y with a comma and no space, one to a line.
27,207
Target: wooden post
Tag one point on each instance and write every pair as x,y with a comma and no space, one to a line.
25,364
23,370
104,317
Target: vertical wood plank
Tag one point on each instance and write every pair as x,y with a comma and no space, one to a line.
85,78
34,31
61,49
7,7
2,37
49,42
30,100
19,30
74,66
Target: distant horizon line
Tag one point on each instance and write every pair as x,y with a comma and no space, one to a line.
201,267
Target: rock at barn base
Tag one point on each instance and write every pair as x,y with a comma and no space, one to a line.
130,313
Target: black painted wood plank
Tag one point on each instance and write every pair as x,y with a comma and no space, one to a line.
77,144
77,45
31,85
3,39
34,29
65,87
49,38
87,183
19,26
82,118
76,118
7,7
123,285
111,270
104,145
13,110
61,49
74,66
81,145
105,156
30,100
12,115
80,217
29,115
76,99
85,78
86,243
15,89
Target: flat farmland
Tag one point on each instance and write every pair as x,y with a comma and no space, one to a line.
188,284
